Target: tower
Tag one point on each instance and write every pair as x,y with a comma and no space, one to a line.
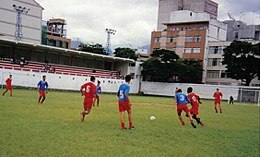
19,10
107,50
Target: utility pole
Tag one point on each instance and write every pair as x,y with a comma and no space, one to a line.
107,50
19,10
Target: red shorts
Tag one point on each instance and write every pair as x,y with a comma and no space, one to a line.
88,102
194,110
124,106
42,92
182,107
9,87
217,102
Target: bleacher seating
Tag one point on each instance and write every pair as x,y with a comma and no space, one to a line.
61,69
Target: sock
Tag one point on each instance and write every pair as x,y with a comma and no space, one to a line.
216,109
194,126
122,125
130,124
197,119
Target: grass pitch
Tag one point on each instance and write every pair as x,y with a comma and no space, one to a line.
54,128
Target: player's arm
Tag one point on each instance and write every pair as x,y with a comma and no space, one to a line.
81,89
127,95
199,100
38,85
118,92
46,89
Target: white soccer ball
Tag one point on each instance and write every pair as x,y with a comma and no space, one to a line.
152,118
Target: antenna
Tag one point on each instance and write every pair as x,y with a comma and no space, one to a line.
109,31
19,10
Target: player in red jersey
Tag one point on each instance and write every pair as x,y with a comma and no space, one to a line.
194,101
8,85
218,96
88,90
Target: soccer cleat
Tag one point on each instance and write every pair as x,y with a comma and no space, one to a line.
182,123
131,127
202,124
124,128
192,124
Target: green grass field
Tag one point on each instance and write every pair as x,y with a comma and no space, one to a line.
54,128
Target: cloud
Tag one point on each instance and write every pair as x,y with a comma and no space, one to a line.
134,20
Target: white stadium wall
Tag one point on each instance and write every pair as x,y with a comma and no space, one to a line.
72,82
62,82
204,91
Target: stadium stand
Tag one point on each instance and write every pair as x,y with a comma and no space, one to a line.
60,69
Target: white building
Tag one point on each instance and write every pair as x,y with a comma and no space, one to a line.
216,72
31,21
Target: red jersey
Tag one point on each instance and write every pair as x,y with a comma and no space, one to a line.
217,95
89,89
8,82
193,99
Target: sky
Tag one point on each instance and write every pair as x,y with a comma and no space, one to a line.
133,20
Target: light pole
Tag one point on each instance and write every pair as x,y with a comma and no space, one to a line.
108,44
19,10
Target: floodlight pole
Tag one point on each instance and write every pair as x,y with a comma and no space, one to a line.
19,10
107,50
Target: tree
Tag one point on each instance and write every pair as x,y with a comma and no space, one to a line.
125,53
162,66
190,71
92,48
242,61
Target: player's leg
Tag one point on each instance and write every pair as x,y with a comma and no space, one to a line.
191,120
181,120
197,119
215,106
179,110
220,109
43,98
11,92
94,101
97,101
122,120
130,119
122,109
5,92
39,100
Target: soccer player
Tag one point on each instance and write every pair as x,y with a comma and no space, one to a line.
42,87
124,103
218,96
88,90
194,101
96,97
182,101
9,87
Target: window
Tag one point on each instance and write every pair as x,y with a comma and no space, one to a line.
171,39
213,74
187,50
156,40
197,38
218,32
236,35
196,50
188,39
215,50
223,74
214,62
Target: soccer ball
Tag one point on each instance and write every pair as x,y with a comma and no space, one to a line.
152,118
